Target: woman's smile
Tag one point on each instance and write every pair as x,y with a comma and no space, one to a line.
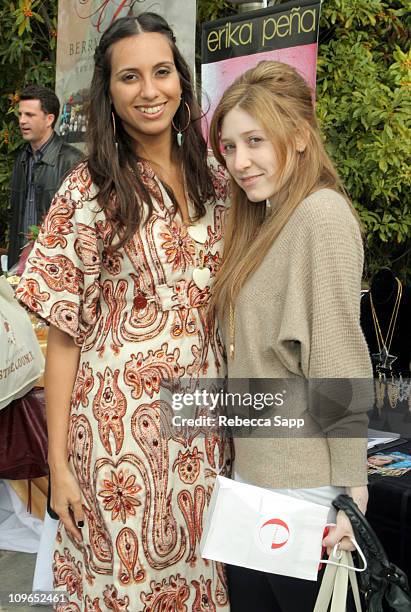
151,112
249,180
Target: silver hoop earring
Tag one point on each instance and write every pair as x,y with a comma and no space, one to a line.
180,130
113,122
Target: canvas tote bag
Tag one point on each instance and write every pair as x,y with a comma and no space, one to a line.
21,359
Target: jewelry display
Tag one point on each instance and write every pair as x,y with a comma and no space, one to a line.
383,360
404,387
380,389
393,393
384,322
397,391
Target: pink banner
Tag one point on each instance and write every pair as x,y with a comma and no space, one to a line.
286,33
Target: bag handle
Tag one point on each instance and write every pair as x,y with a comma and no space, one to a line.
337,553
334,585
354,585
362,529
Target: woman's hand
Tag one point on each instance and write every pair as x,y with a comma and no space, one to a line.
342,532
61,368
66,501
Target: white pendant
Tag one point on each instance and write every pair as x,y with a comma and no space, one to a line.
198,232
201,277
179,139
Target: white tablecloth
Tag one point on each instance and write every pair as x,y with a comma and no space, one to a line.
23,532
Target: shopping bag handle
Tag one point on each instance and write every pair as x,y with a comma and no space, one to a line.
337,554
334,586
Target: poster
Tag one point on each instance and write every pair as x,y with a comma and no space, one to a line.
286,33
80,26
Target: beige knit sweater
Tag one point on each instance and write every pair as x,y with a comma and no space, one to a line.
298,316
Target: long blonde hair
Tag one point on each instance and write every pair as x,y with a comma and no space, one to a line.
276,96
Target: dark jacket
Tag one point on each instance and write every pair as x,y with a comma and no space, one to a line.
58,159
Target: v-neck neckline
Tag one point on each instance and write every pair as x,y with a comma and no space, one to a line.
150,173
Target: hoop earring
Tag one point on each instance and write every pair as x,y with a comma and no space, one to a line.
181,130
113,122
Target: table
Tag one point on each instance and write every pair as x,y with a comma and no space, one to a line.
389,513
39,486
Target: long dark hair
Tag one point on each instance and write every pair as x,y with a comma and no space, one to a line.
114,169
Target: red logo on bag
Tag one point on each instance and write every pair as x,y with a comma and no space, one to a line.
278,534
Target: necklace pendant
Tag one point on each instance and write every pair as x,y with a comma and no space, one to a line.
383,361
201,277
393,393
232,351
198,232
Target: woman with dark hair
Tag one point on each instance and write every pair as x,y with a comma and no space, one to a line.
122,270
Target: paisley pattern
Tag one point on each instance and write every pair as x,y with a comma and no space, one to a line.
142,327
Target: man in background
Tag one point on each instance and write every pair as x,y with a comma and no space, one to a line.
39,168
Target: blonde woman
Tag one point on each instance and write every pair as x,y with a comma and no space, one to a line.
288,296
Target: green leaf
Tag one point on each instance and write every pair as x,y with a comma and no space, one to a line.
22,27
38,17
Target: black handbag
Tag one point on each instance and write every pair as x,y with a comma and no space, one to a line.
384,585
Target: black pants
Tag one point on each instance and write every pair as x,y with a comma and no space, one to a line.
252,591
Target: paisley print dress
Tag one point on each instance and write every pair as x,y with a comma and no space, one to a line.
140,321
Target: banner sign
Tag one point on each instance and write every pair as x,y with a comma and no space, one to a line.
80,26
286,33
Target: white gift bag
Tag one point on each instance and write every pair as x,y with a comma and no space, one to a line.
21,359
262,530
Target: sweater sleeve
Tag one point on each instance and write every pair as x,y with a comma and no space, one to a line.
323,320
